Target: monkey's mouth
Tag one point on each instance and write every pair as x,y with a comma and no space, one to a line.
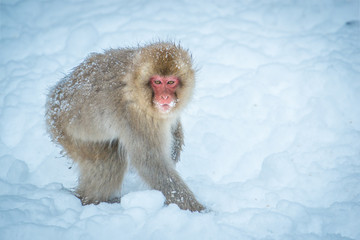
164,107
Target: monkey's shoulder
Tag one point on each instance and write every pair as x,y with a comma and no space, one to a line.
101,70
112,61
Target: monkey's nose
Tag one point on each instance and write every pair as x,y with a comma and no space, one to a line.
164,97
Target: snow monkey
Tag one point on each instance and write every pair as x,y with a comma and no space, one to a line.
123,106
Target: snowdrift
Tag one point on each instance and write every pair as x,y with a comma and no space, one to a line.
272,135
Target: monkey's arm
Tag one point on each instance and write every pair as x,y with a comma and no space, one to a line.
178,141
157,171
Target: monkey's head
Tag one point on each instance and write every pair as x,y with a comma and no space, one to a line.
165,76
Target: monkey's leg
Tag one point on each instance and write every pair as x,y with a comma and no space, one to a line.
160,175
102,167
178,142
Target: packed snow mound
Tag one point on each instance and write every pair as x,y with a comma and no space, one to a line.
272,134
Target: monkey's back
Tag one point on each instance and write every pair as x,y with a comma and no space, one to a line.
88,92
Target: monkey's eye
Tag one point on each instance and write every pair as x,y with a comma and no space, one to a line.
157,82
170,82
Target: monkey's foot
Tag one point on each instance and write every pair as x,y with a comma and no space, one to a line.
86,200
114,200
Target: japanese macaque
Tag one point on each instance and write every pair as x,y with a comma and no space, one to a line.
123,106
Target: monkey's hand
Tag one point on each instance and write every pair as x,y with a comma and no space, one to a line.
185,201
155,168
164,178
176,191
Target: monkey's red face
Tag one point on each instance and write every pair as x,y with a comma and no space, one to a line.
164,92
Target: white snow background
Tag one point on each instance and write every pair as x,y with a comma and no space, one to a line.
272,135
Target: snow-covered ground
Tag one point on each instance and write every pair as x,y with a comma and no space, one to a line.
272,134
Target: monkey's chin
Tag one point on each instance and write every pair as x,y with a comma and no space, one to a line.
165,108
